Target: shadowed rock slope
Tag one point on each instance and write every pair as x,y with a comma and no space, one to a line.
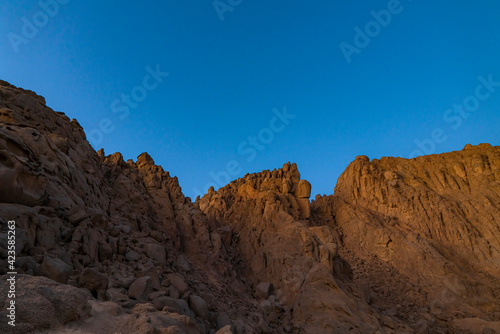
403,246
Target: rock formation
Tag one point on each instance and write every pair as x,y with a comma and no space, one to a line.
105,245
435,219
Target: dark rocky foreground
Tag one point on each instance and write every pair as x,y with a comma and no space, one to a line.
112,246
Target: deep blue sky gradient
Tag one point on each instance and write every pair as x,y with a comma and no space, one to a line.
226,77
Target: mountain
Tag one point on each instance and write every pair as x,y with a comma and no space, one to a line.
105,245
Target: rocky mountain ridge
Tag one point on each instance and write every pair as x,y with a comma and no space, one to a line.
402,246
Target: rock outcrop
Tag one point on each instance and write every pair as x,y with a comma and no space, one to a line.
434,220
105,245
276,243
42,303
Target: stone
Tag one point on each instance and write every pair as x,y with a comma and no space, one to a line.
178,282
95,282
172,305
225,330
183,264
105,252
304,207
303,189
223,320
226,234
476,325
56,269
42,303
146,319
173,292
132,255
141,287
199,306
153,273
266,306
264,290
157,253
216,241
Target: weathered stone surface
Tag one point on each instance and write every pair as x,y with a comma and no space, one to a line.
278,247
226,234
432,218
199,306
477,326
225,330
146,319
141,287
266,307
157,253
172,305
264,290
56,269
42,304
303,189
223,320
153,274
178,283
95,282
183,264
132,255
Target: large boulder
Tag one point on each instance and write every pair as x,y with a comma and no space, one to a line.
95,282
199,306
264,290
141,288
172,305
42,304
145,318
178,282
56,269
157,253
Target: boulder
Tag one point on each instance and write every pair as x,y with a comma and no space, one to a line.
132,255
303,189
199,306
146,319
153,273
266,306
56,269
183,264
157,253
141,288
42,304
223,320
172,305
178,282
95,282
264,290
225,330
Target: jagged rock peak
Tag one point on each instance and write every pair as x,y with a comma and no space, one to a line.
283,185
480,146
144,159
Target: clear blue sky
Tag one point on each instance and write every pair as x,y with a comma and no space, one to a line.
227,76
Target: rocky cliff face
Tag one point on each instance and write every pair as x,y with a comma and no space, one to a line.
403,246
434,220
269,215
